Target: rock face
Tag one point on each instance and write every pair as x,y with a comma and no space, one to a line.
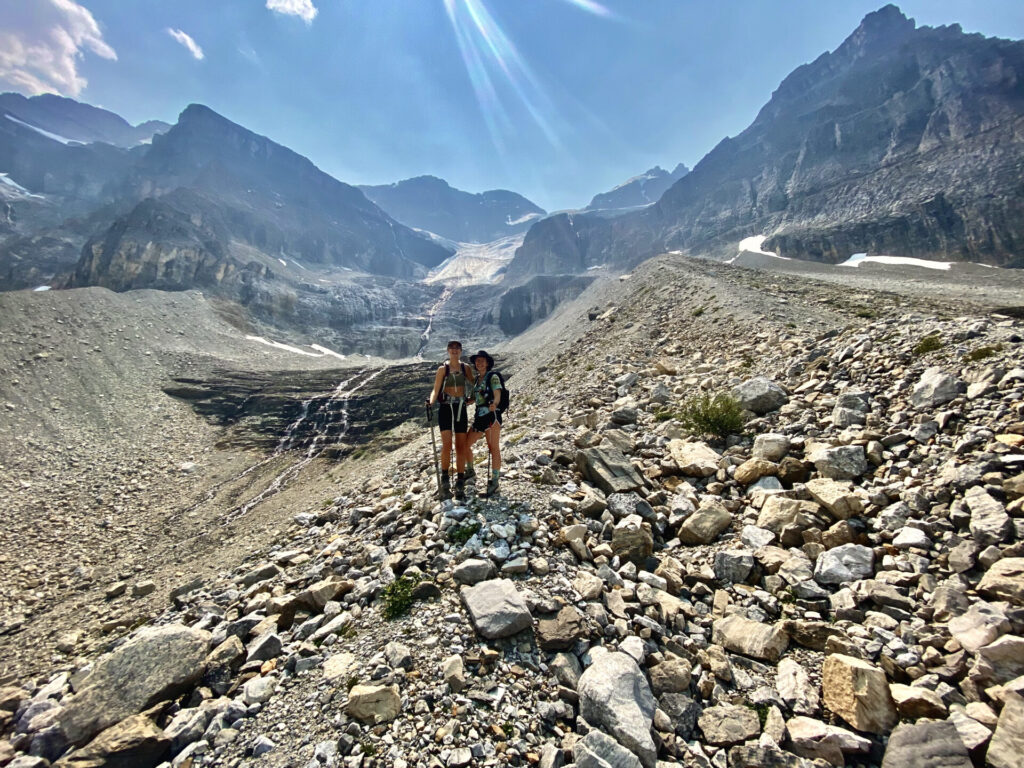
522,305
614,695
496,608
858,692
155,665
899,141
77,121
427,202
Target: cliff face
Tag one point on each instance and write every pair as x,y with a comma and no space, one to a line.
522,306
905,141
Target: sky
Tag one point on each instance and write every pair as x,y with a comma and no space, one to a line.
555,99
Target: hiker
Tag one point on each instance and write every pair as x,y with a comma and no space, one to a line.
452,385
491,400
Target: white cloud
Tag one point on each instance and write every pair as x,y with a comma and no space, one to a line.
187,41
304,9
42,42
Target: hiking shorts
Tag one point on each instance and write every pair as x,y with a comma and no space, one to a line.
452,417
483,423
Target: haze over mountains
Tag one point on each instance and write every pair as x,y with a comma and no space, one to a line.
903,141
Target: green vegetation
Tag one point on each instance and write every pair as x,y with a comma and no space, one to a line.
866,313
720,415
698,312
397,597
981,353
460,534
926,345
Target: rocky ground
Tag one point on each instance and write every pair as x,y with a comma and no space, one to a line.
841,583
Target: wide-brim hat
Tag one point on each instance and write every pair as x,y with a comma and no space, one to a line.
485,356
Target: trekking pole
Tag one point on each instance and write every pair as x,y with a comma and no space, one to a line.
433,442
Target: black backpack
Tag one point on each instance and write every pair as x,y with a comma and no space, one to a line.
506,399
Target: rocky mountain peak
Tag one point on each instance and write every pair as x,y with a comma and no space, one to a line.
882,29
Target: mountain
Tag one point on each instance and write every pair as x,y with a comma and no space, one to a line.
639,190
904,141
72,121
427,202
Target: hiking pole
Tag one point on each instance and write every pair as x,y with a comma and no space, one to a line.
433,442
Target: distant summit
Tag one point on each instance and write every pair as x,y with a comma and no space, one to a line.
427,202
74,121
639,190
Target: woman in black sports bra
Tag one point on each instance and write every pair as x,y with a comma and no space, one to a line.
452,385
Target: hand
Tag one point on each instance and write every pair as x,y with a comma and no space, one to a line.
493,407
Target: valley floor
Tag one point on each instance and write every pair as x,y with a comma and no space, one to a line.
721,581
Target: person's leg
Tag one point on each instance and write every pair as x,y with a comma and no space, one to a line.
461,450
446,450
493,441
471,437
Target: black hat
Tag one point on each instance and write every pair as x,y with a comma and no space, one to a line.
485,356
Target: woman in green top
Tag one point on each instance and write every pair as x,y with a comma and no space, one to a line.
490,399
452,385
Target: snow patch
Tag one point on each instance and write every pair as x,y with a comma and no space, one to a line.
522,219
283,262
9,182
41,132
905,261
41,288
320,351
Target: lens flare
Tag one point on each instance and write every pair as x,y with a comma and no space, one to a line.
590,6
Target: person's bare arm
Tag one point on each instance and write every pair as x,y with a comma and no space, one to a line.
438,378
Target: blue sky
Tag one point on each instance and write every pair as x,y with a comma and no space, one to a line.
555,99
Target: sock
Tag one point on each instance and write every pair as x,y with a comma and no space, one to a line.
495,473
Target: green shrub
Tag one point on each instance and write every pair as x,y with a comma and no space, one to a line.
982,353
397,597
866,313
720,415
698,312
927,344
460,534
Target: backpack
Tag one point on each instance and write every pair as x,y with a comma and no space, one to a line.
506,399
441,396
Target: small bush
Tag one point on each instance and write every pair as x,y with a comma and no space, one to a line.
926,345
720,415
981,353
460,534
867,314
397,597
698,312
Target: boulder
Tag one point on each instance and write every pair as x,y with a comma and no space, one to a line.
1004,581
843,564
926,745
752,470
751,638
844,462
770,447
614,696
632,539
728,724
374,704
155,665
561,632
672,675
454,672
989,522
694,459
914,702
935,387
760,395
609,470
733,566
796,689
1007,744
135,742
473,571
704,525
496,608
858,692
978,626
599,750
836,497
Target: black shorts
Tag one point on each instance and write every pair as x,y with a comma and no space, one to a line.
482,423
461,420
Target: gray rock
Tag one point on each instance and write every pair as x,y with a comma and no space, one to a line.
844,462
258,690
614,695
978,626
135,741
1007,745
770,447
694,459
926,745
755,537
989,522
733,566
496,608
157,664
264,647
728,724
1004,581
935,387
561,632
398,655
609,470
682,711
598,750
795,686
632,539
760,395
848,562
262,745
473,571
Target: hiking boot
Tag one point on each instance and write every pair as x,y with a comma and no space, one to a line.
460,486
446,487
492,487
470,473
